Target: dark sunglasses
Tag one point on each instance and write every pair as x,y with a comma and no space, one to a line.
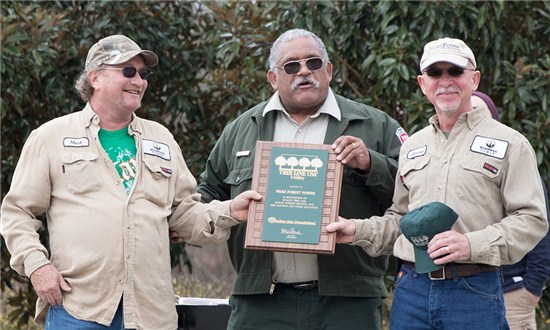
312,63
454,71
130,72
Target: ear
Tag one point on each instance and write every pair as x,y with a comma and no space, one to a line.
476,77
420,80
329,71
272,77
93,77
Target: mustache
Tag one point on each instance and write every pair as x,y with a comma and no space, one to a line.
442,90
297,82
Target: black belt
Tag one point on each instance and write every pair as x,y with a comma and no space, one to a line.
309,285
454,270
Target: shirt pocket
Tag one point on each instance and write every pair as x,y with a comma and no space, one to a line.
239,180
414,176
81,173
156,182
480,183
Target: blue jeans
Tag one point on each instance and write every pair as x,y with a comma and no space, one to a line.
58,319
472,302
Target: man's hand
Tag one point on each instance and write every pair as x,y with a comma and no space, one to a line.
239,205
352,151
344,228
449,246
175,238
48,284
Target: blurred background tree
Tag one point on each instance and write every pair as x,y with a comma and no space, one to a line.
213,61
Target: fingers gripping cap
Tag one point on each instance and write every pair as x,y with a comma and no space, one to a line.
117,49
450,50
420,225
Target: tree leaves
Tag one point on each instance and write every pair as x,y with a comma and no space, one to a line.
213,60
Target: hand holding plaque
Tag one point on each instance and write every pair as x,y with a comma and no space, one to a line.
301,184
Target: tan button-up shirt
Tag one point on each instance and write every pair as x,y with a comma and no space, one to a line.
107,244
486,171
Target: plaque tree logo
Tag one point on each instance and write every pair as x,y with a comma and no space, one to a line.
298,166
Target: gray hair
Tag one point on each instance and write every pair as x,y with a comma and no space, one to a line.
289,36
83,86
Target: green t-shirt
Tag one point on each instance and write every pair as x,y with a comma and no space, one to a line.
121,148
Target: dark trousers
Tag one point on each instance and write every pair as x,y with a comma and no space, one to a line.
288,309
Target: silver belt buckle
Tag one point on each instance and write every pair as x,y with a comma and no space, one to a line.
438,278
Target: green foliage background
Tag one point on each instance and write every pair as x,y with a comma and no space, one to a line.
213,59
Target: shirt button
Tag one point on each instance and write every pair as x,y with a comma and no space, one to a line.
299,131
238,179
116,182
127,256
289,267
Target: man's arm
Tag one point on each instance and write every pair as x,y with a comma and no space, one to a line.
538,261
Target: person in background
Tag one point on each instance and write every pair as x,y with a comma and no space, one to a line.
112,185
524,280
482,170
278,290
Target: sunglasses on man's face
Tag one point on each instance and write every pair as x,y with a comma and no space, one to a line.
312,63
130,72
454,71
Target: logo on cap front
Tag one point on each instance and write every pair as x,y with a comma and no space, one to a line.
420,241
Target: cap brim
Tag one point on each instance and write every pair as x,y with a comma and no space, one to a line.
450,58
423,263
149,58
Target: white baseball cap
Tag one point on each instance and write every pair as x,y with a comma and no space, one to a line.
450,50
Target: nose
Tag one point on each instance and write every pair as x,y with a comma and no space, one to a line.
445,79
304,70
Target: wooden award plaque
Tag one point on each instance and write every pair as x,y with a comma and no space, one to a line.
300,184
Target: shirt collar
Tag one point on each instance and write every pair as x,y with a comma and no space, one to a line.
329,107
92,118
472,118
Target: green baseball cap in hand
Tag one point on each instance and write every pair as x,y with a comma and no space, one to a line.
420,225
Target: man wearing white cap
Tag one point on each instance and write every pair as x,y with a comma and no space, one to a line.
487,173
112,185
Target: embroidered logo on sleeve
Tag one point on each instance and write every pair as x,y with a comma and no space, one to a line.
401,135
155,148
76,142
412,154
490,147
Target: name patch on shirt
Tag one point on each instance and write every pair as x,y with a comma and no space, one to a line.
412,154
155,148
401,135
489,146
76,142
243,153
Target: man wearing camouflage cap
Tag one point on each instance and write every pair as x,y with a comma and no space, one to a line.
112,186
484,171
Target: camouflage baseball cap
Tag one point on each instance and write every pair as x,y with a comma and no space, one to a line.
117,49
